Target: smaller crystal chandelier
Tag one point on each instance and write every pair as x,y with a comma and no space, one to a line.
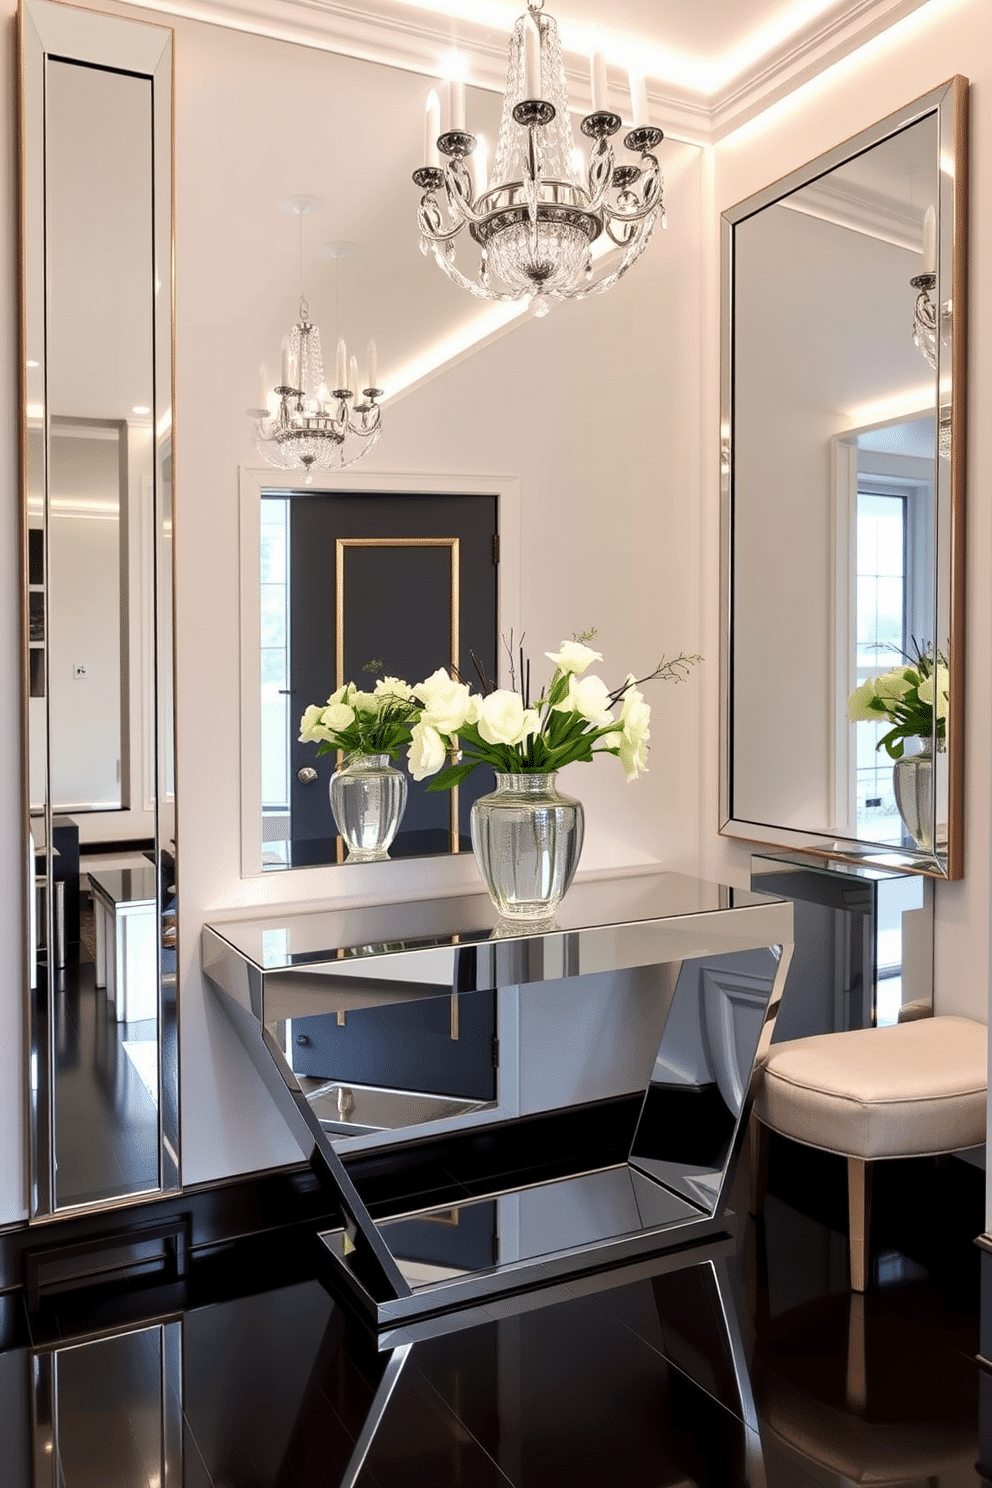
299,424
536,217
927,320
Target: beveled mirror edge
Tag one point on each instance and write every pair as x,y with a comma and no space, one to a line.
958,116
85,38
37,1126
950,102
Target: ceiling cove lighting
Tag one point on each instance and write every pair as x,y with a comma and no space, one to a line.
537,213
299,424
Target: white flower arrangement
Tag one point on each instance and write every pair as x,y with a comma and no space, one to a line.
377,722
573,720
913,697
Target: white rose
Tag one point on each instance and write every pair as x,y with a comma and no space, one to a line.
341,694
364,702
635,715
858,710
937,682
503,719
448,704
943,690
427,753
590,698
892,685
337,716
310,730
634,758
394,687
573,657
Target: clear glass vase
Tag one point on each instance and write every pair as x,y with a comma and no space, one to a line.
368,796
527,838
912,785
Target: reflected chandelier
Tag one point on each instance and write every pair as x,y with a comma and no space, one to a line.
300,425
927,321
537,216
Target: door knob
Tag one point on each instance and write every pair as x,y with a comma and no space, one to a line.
307,775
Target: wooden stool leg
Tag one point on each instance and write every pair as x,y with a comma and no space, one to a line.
757,1165
859,1219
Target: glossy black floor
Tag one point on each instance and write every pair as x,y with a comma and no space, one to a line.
251,1373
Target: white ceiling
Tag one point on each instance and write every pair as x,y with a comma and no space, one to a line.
711,64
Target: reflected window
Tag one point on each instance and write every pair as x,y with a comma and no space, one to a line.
880,639
274,577
893,603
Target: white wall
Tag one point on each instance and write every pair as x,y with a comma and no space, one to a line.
922,51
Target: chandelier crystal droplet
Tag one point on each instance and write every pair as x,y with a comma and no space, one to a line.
543,207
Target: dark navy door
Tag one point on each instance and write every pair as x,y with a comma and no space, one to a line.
409,581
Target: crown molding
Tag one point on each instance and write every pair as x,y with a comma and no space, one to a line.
862,212
808,53
413,38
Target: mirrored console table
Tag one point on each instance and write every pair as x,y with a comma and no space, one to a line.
672,1190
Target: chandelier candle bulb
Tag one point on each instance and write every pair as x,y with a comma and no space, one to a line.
353,375
638,99
456,104
285,364
373,366
930,242
342,367
598,83
532,58
432,128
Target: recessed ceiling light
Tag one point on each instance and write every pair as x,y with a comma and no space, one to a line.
140,408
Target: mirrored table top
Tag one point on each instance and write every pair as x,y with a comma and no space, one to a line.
287,941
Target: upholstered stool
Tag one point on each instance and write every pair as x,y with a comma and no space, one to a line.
910,1090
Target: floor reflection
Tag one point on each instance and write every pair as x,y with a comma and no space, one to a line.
106,1118
757,1369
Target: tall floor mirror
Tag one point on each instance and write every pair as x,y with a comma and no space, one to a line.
96,487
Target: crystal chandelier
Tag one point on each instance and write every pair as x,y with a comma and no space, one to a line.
537,216
299,424
927,321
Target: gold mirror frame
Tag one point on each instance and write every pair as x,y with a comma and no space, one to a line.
53,33
948,105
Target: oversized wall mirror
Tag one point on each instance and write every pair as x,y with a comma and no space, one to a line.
330,574
844,463
96,296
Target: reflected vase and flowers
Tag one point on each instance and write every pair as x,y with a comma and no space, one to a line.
912,697
368,793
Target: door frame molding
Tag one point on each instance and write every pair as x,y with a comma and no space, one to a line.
252,480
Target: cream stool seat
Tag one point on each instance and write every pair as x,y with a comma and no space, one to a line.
910,1090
